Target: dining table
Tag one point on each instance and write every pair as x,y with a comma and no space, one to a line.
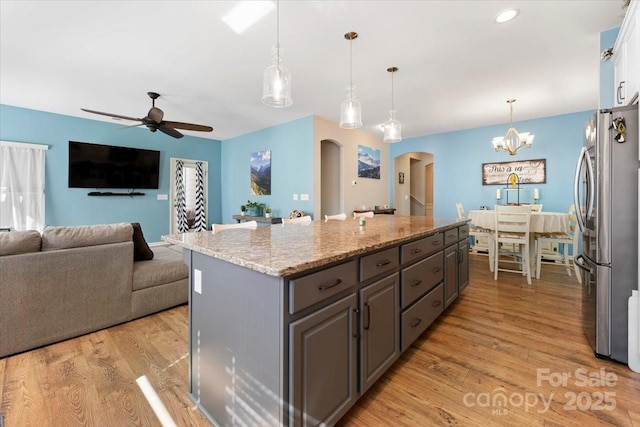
541,223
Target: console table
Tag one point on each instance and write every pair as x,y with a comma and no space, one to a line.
270,220
387,211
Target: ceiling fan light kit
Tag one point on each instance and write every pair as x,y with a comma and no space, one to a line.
512,141
350,109
276,81
154,120
392,127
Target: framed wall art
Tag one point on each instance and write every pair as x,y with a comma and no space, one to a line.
527,171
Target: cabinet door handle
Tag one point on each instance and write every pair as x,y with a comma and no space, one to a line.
416,251
436,303
356,325
329,286
367,316
460,255
415,322
383,263
416,283
436,270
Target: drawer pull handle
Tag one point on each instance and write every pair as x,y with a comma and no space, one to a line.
436,303
416,251
367,316
332,285
416,283
415,322
383,263
436,269
436,243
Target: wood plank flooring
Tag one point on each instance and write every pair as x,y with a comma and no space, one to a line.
496,357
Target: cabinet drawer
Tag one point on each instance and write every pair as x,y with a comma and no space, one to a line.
378,263
463,232
420,277
421,248
418,318
308,290
450,236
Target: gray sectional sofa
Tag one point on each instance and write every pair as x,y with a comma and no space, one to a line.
70,281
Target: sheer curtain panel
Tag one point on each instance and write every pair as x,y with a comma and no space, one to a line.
22,185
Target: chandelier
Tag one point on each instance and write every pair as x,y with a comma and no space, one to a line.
512,141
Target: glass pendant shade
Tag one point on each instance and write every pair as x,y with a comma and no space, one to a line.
392,129
276,84
350,111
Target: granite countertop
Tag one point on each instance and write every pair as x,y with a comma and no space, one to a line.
282,251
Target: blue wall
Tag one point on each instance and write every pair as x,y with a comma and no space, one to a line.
72,206
607,40
458,159
291,146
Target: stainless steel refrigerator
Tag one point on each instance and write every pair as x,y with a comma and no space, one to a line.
606,200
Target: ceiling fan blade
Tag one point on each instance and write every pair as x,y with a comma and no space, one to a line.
117,116
155,114
189,126
169,131
130,126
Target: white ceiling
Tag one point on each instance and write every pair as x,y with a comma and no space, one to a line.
457,67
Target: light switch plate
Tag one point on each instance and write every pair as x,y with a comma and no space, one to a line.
163,197
295,197
304,197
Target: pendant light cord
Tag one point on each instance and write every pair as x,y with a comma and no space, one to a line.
351,68
278,32
392,108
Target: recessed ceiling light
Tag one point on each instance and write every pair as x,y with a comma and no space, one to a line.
246,13
506,15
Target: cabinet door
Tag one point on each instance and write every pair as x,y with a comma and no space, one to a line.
323,364
450,274
620,75
380,337
463,264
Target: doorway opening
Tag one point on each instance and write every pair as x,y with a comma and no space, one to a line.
413,184
188,212
330,177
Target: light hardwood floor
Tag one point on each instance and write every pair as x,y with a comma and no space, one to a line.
499,339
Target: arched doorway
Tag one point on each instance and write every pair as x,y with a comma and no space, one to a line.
330,177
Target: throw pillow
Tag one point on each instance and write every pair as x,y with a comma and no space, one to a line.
141,250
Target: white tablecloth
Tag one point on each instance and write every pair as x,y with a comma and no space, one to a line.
541,222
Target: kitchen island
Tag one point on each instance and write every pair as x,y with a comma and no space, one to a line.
290,325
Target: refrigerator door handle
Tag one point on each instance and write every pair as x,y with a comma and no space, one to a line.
576,188
583,264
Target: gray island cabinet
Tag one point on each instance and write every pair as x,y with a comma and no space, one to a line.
290,325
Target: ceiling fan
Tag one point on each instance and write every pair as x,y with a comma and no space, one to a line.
153,120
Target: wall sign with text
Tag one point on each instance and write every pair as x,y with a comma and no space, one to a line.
528,172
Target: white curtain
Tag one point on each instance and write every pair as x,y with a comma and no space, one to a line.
22,186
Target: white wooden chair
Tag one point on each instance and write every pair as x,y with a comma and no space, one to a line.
479,234
536,207
300,220
338,217
368,214
512,227
567,240
247,224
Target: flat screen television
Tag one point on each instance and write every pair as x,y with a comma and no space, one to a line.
108,166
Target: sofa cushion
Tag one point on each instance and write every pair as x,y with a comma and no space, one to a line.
141,250
166,266
19,242
54,238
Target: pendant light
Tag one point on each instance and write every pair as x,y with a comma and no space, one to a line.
392,128
512,141
350,109
276,82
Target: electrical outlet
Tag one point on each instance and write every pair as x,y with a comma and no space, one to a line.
163,197
197,281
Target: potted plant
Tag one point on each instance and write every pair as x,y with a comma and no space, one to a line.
267,212
254,208
243,210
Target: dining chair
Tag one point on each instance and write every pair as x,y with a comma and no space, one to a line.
368,214
247,224
512,227
479,234
339,217
536,207
567,240
300,220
